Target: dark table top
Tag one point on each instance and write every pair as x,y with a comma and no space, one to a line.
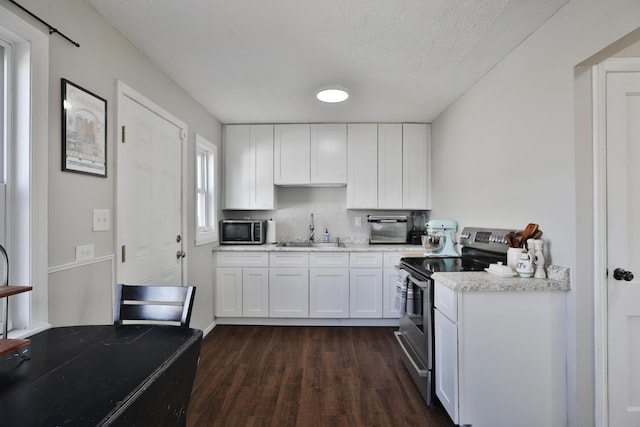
84,373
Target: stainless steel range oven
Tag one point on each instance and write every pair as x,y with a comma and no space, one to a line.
480,248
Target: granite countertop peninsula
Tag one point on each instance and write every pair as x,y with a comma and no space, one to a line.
345,246
482,281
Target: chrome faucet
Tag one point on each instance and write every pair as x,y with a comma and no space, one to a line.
311,230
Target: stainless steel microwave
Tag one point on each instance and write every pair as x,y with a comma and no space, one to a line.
243,231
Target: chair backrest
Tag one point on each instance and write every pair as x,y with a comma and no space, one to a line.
154,303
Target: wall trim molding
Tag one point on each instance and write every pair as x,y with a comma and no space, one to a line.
78,264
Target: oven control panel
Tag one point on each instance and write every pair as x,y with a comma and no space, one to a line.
490,239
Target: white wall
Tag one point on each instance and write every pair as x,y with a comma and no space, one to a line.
103,57
522,125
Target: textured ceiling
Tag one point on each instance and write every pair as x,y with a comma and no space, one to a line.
258,61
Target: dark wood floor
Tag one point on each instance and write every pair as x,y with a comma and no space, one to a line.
306,376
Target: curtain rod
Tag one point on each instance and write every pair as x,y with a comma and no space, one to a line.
51,29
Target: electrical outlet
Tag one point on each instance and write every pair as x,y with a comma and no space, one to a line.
85,252
358,221
101,220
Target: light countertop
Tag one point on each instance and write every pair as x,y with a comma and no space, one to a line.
348,247
482,281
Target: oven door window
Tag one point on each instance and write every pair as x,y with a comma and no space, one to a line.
415,302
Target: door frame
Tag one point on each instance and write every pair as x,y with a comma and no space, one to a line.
599,80
125,91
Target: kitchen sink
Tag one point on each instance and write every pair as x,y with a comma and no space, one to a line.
295,244
311,245
328,245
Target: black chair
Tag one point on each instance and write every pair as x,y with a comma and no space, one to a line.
166,304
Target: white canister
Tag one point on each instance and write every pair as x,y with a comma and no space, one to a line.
513,256
271,231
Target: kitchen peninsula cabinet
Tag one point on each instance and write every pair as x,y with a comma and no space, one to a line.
499,354
248,153
310,154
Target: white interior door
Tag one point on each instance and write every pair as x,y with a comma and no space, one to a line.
149,193
623,252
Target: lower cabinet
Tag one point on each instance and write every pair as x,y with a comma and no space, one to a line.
255,292
228,292
242,284
365,293
446,363
365,285
500,358
299,285
329,292
288,292
389,283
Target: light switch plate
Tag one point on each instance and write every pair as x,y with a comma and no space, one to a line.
85,252
358,221
101,220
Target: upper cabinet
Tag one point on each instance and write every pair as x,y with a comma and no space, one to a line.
248,163
416,166
329,154
389,166
362,181
292,150
310,154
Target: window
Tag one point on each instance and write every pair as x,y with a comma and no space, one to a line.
24,142
206,161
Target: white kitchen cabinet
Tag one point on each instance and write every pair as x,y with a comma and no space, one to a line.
389,166
390,156
329,293
289,292
255,292
228,292
365,259
365,293
389,282
241,284
500,356
328,154
365,285
329,285
362,170
416,170
446,363
292,153
310,154
248,166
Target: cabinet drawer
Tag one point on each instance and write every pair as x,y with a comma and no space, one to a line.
289,259
365,259
329,259
445,301
391,259
242,259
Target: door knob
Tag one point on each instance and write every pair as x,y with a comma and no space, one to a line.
621,274
181,254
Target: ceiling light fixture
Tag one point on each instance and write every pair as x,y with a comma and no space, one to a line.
332,95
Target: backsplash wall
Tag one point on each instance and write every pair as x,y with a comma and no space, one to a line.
328,205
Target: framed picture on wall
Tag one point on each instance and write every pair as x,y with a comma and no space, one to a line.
84,131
